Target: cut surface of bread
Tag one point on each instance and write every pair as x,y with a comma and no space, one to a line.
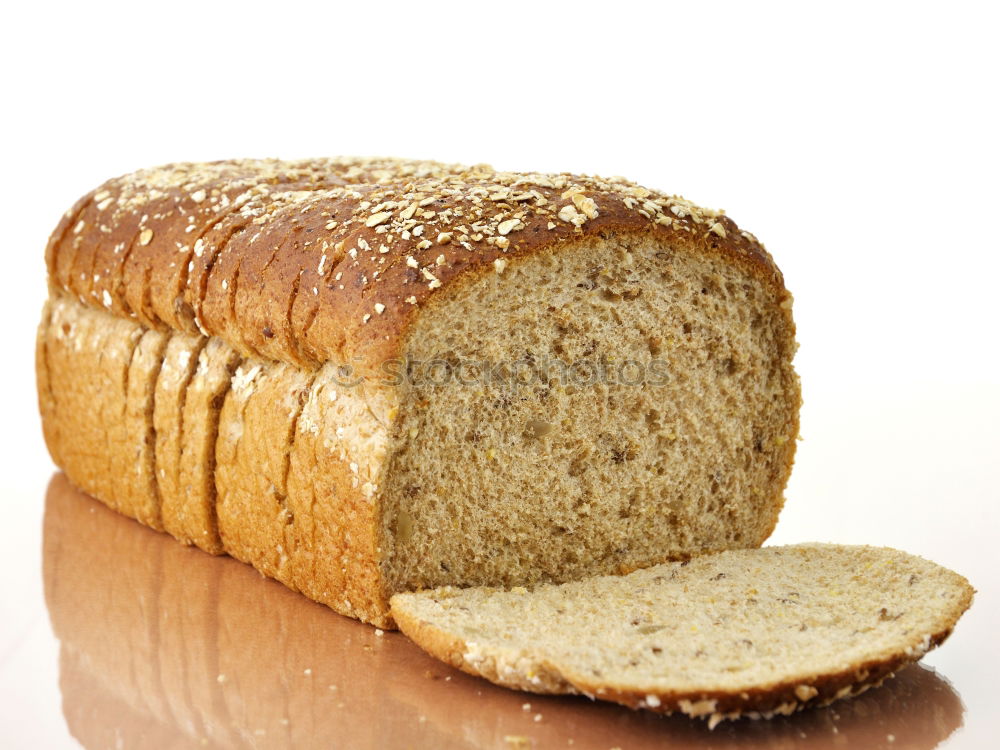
593,411
737,633
372,376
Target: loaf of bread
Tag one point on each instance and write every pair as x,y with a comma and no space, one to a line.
373,376
737,633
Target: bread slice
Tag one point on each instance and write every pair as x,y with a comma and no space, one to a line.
738,633
371,376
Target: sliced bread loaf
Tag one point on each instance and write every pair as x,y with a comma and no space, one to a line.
744,632
372,376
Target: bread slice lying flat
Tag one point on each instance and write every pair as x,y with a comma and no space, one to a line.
739,633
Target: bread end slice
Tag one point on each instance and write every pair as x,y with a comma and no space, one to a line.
753,633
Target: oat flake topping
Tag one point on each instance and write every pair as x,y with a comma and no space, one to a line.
358,233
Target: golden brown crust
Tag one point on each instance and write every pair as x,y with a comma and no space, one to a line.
177,369
780,698
176,432
83,382
46,395
142,498
190,514
322,260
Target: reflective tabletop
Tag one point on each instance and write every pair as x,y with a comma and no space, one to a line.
162,646
115,636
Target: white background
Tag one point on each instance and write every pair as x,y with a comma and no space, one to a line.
858,141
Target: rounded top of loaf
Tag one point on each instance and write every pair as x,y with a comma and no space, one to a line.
332,259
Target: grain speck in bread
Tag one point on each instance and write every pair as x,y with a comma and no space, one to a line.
248,354
743,632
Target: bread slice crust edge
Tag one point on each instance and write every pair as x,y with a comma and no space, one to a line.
535,671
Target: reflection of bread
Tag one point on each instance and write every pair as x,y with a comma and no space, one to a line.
561,375
745,632
916,710
167,648
197,643
103,716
